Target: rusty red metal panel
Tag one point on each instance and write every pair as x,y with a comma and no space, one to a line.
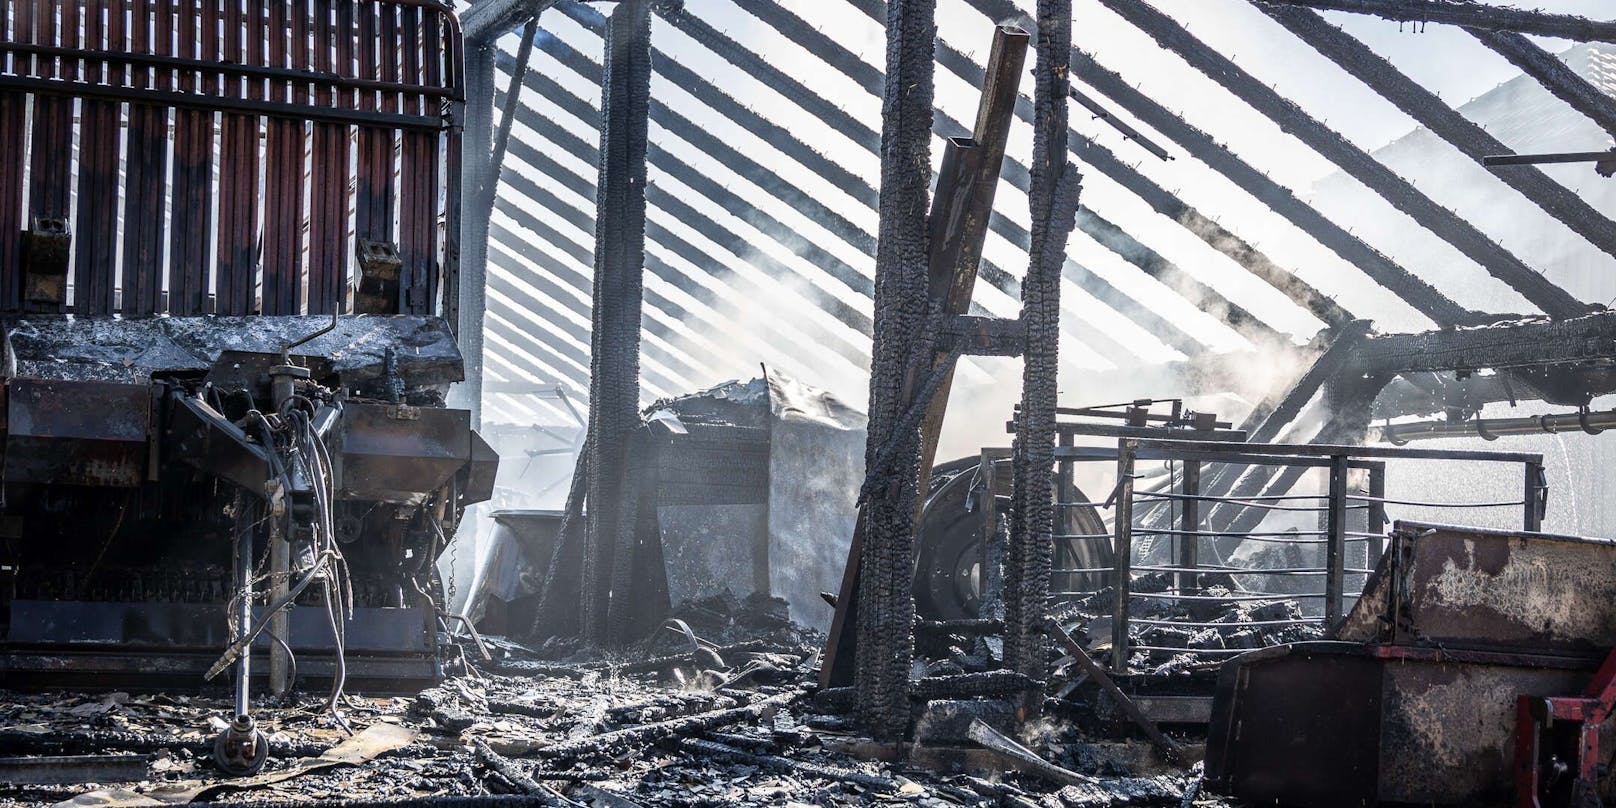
146,165
283,177
192,193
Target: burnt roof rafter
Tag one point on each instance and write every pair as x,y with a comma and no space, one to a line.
1445,223
1554,74
1431,112
1470,15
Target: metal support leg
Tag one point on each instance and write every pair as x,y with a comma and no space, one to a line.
280,568
1376,512
241,749
1189,542
1335,543
1532,510
1122,552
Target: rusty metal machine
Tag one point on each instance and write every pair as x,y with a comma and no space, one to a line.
228,287
1476,669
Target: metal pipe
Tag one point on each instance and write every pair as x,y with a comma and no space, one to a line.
1591,423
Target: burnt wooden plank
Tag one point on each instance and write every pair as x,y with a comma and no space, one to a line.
95,223
192,193
238,172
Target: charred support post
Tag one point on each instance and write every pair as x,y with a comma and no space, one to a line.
1536,492
473,294
1052,201
614,389
1425,107
956,229
886,608
1477,15
1376,515
1445,223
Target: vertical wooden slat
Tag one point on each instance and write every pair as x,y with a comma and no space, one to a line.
146,167
373,203
238,167
13,109
192,195
50,166
328,187
417,182
283,173
96,223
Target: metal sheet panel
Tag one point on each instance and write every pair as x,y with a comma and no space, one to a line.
395,453
77,433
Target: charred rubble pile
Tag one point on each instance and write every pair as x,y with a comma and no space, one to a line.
729,724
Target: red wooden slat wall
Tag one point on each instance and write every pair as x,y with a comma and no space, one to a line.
271,95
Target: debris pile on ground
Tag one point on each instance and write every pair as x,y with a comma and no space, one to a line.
677,720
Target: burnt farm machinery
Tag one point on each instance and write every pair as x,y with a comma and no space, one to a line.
229,289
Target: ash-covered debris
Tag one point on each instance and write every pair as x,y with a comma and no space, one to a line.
682,718
1221,620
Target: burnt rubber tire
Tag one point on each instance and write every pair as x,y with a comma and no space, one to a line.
948,553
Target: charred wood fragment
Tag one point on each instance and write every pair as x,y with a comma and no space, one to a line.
684,727
703,746
975,685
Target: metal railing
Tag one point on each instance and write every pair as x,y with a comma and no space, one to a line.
1347,519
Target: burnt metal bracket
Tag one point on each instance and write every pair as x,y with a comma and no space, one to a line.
45,246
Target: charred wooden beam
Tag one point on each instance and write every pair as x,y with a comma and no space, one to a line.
1464,236
1527,343
614,384
1470,15
487,20
1430,111
1052,201
886,607
1373,263
1555,75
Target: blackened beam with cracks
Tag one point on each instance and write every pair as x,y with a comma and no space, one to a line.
842,122
1554,74
1430,111
513,96
1164,202
1380,268
619,260
1444,223
477,135
1052,203
1471,15
886,607
843,179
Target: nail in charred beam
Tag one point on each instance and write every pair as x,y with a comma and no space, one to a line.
1427,109
1554,74
1472,15
1464,236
